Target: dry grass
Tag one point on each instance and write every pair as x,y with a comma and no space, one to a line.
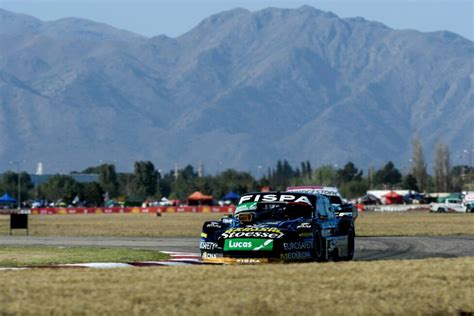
189,225
421,287
144,225
414,224
35,256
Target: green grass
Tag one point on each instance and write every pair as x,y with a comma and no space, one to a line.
20,256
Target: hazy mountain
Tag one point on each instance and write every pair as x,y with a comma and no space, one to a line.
241,89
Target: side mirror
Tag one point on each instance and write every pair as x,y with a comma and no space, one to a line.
227,219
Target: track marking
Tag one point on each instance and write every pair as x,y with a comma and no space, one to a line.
176,259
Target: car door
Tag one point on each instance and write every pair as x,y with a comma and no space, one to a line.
325,218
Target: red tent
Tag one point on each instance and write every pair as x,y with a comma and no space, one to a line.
393,197
197,198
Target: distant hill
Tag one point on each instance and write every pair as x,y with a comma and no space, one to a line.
242,89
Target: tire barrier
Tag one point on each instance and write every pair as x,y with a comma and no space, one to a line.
398,208
133,210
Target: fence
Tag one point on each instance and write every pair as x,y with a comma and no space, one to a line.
136,210
397,208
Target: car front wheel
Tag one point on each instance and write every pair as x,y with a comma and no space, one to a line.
319,247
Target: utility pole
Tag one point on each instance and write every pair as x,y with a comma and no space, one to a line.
469,156
200,170
18,163
176,172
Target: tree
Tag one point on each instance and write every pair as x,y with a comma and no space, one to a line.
92,193
410,183
232,180
188,173
354,189
370,177
306,170
349,173
108,179
459,177
60,187
125,183
388,175
145,179
10,184
325,175
418,168
441,168
309,170
281,177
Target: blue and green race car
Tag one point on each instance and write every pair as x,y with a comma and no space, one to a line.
279,226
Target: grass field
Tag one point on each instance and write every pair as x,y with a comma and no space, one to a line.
19,256
189,225
415,287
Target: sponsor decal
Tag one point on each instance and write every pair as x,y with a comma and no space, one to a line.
297,255
203,235
244,244
327,232
308,234
213,225
303,226
249,206
255,228
331,245
249,232
315,189
275,198
207,245
207,255
250,260
300,245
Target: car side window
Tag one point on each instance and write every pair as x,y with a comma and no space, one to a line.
329,209
321,207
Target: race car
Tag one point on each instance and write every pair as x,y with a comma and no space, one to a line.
341,208
279,227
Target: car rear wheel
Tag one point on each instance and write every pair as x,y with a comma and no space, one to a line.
350,246
319,247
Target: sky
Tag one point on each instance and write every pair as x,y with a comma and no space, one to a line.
175,17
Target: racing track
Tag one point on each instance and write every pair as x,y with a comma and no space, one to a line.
367,248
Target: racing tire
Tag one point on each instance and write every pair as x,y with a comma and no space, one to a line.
319,247
350,246
441,210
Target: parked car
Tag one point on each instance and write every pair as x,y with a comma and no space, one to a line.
449,206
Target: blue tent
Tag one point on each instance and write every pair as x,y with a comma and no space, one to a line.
7,199
231,196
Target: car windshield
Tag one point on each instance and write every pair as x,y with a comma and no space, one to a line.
268,211
334,199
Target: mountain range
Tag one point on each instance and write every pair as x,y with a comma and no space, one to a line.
240,90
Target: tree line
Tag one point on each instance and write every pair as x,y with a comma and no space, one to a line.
146,182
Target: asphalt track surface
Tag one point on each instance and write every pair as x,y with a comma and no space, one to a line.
367,248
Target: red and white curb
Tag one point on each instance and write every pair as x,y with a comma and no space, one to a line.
176,259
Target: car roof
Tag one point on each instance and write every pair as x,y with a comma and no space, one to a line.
312,189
